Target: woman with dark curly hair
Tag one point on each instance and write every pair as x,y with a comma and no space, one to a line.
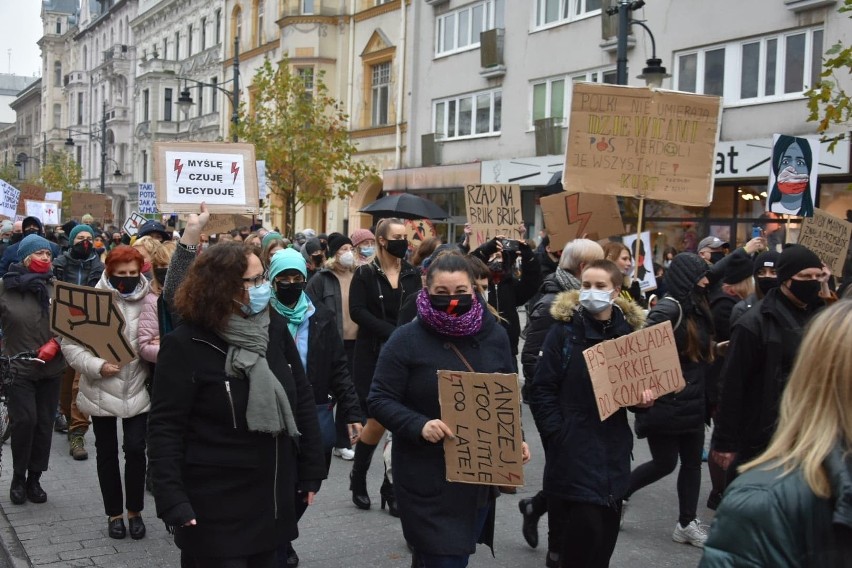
233,430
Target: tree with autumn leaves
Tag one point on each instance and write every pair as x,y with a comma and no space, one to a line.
302,134
62,173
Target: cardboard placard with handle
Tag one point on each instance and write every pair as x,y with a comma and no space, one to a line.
493,209
94,204
89,316
828,236
621,369
483,410
218,224
48,212
569,216
136,220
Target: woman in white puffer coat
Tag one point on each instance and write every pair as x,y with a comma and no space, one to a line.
109,392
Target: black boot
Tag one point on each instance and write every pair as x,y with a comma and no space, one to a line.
358,477
34,491
388,497
18,490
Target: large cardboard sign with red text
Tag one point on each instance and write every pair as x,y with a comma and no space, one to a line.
621,369
483,410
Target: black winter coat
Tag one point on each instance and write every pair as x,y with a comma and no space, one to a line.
588,461
540,322
206,465
684,411
763,347
328,367
86,272
437,516
769,519
375,307
324,288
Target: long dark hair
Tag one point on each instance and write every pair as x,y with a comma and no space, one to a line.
206,297
778,151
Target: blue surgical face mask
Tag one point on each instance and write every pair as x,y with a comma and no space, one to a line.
368,251
595,301
258,299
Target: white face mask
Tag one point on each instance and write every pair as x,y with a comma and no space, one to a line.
347,259
595,301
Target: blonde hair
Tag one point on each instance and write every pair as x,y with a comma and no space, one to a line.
814,413
743,288
150,245
162,255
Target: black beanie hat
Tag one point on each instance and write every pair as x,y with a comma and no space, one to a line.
766,259
686,269
737,269
793,260
335,241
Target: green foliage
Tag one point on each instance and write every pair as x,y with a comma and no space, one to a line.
828,103
62,173
9,173
303,138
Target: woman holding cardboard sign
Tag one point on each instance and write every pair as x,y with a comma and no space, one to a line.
442,521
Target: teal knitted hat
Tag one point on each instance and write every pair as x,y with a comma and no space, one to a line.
78,229
287,259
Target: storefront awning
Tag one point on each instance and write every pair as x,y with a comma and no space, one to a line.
433,177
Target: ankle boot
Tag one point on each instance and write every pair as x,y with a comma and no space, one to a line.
389,497
34,491
358,477
18,490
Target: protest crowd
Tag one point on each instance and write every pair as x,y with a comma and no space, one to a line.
249,359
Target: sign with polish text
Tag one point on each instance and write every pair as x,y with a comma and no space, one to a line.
828,237
621,369
493,209
46,211
483,410
11,195
147,199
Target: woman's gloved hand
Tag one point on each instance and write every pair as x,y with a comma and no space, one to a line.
48,351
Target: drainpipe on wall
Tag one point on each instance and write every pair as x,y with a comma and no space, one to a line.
350,85
400,93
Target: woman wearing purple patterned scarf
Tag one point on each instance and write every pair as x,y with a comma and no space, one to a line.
442,521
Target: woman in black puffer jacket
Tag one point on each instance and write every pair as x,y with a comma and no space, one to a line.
674,426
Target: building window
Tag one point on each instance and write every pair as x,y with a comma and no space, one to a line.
144,166
236,24
177,46
307,6
380,93
79,155
554,12
757,70
552,97
57,74
214,95
260,32
217,33
478,114
189,40
459,30
165,48
58,26
79,108
200,101
57,116
167,107
203,34
146,105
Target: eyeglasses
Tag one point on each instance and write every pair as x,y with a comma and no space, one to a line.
255,281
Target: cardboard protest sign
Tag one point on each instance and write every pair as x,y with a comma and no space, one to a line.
222,175
418,230
147,199
643,261
569,216
47,211
31,192
11,195
793,175
493,209
638,142
828,236
131,226
224,223
53,196
90,317
483,410
85,203
621,369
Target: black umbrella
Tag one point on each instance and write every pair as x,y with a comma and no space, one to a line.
406,206
553,186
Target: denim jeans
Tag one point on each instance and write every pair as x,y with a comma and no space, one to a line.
109,474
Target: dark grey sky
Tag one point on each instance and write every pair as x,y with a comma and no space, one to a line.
20,29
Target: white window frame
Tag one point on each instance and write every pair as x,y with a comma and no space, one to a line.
590,76
732,88
457,100
491,18
567,13
380,92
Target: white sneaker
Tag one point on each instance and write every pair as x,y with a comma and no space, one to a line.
692,534
623,513
344,453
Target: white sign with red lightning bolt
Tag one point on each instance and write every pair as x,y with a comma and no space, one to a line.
217,179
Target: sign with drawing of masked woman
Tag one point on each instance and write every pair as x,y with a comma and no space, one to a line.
793,175
224,176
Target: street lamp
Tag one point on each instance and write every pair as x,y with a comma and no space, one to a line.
69,142
21,163
185,101
654,72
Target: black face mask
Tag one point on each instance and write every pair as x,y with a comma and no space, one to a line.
397,248
16,238
455,305
81,250
317,260
767,283
495,266
716,257
124,284
700,291
288,293
806,291
160,275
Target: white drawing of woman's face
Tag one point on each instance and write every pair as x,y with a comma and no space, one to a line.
794,157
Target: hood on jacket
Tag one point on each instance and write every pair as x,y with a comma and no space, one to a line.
138,294
683,274
566,304
30,221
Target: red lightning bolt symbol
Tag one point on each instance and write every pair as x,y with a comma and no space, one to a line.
235,169
572,208
178,168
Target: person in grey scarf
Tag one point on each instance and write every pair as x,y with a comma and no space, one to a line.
233,432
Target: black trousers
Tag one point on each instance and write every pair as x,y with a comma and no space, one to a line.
261,560
587,532
109,472
339,419
665,450
32,408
